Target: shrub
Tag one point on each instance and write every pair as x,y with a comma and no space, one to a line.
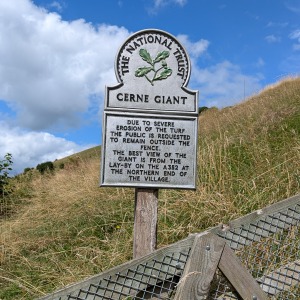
46,166
202,109
26,170
5,167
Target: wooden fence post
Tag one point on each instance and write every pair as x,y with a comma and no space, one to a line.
239,276
209,252
200,268
145,222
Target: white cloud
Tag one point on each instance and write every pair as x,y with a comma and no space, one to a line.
260,63
161,3
272,38
56,5
158,4
195,49
224,84
293,5
290,66
295,35
181,2
221,84
50,67
277,24
296,47
31,148
51,73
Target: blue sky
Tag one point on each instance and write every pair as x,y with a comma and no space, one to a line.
57,56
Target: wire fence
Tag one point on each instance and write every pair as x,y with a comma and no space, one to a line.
267,243
269,247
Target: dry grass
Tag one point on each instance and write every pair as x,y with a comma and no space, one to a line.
66,228
68,220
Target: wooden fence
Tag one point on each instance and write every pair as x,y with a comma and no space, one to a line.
254,257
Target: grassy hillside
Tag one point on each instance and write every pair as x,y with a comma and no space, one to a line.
62,227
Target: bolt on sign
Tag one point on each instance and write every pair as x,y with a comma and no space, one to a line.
151,117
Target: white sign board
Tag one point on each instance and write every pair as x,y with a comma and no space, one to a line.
150,118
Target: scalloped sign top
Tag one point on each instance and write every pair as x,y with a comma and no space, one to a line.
154,56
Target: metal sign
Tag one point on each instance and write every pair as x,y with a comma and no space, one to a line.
150,117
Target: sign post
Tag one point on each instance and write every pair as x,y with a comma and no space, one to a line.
145,221
150,127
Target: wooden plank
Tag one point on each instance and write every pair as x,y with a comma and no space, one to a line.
200,268
145,222
282,279
239,276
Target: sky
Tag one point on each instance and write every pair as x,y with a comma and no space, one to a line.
56,57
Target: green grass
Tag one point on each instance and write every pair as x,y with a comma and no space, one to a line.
62,228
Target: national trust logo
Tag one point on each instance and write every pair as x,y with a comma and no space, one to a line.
152,56
161,73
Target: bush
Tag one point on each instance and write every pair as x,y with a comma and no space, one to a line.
26,170
202,109
46,166
5,167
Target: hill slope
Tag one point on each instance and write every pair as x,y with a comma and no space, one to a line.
65,228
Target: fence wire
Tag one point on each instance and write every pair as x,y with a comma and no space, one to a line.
267,242
270,249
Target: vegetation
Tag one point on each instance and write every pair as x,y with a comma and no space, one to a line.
65,228
202,109
5,187
5,168
44,167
